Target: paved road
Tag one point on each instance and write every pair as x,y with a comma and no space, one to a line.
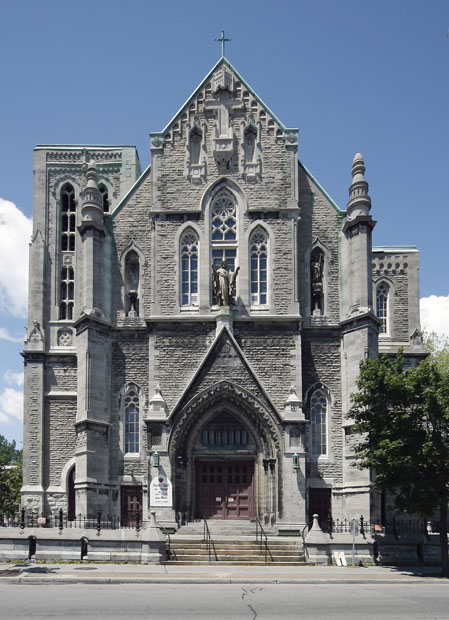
428,601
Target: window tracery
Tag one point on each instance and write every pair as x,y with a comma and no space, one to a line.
67,293
132,421
189,268
68,218
259,262
382,293
318,420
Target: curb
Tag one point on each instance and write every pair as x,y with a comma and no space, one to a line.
212,580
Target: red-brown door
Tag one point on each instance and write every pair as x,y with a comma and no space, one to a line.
131,506
225,489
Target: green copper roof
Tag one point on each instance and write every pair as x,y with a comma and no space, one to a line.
395,248
321,188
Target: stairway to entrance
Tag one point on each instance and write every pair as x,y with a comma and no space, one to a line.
234,542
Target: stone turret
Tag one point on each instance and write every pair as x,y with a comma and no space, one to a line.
359,202
91,209
92,233
357,229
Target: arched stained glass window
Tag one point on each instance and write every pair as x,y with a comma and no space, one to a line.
68,218
189,269
318,420
382,293
259,257
132,435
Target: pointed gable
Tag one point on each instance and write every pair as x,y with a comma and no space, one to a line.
225,361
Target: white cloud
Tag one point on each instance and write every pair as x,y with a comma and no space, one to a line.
13,378
15,231
11,404
5,335
435,315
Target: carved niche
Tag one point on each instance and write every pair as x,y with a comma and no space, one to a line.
250,150
196,152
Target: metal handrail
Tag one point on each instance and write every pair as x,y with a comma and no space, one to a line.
263,539
170,554
208,539
304,544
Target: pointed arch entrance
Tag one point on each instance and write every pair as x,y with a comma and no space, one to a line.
223,448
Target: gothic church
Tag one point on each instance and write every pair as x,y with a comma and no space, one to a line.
195,329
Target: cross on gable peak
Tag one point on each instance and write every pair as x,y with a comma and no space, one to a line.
222,40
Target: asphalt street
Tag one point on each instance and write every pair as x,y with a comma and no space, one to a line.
395,601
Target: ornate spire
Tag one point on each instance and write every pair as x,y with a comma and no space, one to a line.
359,202
92,209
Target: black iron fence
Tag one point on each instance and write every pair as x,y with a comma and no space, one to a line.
399,527
60,520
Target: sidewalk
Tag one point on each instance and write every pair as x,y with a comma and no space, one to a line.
28,572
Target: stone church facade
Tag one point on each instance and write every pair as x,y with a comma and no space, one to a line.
195,329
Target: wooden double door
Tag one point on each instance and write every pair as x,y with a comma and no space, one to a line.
225,489
131,506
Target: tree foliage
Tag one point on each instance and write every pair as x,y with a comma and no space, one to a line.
403,417
10,476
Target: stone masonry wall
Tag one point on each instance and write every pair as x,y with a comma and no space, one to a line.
392,268
60,416
60,373
271,352
129,364
178,355
176,193
319,218
132,224
321,362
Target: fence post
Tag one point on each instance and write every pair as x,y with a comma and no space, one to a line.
138,522
99,521
61,519
22,518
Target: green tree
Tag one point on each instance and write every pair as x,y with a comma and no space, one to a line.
403,417
10,476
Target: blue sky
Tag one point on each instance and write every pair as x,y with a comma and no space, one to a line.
352,76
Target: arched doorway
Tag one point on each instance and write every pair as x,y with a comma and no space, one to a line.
224,455
220,446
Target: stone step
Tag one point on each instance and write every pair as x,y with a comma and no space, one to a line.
237,549
232,563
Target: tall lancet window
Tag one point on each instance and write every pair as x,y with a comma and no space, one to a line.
132,282
259,257
189,269
104,197
67,294
318,420
68,218
132,420
382,293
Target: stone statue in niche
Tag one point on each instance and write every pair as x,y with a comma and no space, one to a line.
132,284
316,276
224,283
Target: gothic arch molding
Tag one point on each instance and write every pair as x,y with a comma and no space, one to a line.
235,399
